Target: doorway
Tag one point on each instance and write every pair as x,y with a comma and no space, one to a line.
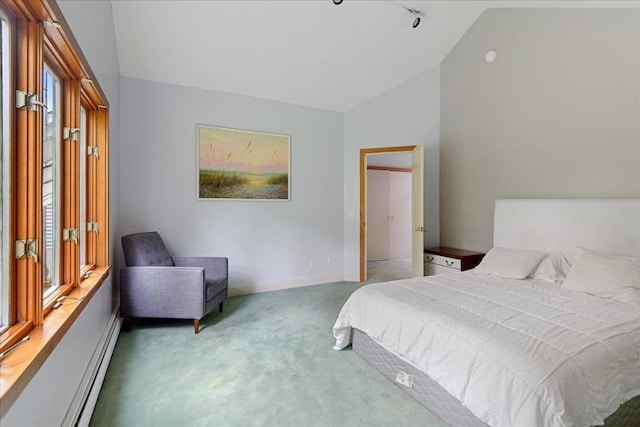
388,222
383,166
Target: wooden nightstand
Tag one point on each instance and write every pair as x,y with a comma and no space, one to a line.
448,260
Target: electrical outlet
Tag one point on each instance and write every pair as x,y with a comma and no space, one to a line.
329,261
313,263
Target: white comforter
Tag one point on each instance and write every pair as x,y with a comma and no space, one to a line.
515,352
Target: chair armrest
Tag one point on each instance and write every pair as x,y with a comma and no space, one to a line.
215,267
170,292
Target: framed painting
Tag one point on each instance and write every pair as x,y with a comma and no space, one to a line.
236,164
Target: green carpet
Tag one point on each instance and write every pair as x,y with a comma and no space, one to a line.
265,361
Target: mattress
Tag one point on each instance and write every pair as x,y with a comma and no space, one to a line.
549,356
415,383
438,401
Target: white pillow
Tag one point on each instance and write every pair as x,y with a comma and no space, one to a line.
509,263
605,275
554,267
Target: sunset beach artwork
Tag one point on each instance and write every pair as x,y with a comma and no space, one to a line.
241,164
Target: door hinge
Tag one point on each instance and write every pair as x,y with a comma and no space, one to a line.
92,150
92,226
70,235
27,249
70,133
28,101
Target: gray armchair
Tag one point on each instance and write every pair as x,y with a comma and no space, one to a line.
155,284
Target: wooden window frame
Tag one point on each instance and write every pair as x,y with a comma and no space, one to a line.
38,35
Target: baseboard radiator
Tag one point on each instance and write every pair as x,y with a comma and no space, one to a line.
84,401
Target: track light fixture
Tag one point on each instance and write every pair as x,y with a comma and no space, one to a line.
415,12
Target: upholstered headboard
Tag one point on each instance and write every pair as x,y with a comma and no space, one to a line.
608,225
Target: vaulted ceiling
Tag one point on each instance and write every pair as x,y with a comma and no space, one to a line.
305,52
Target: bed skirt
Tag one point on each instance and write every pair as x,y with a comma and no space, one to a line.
438,401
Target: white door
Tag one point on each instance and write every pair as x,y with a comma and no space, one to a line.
377,215
400,215
417,207
388,215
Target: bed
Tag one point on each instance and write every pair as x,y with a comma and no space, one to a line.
488,347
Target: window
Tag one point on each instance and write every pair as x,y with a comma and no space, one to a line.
83,189
52,183
4,173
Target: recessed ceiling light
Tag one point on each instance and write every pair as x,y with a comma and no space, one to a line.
491,56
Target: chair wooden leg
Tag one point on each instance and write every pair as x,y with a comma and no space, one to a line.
126,324
221,306
196,325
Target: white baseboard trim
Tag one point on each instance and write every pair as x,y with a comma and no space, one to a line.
351,277
81,408
284,284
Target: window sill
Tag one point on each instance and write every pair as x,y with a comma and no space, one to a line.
18,368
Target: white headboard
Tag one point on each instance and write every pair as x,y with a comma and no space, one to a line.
608,225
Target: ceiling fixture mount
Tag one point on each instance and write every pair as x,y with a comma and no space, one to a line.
415,12
491,56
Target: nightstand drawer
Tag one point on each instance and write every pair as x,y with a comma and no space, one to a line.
448,260
443,261
433,269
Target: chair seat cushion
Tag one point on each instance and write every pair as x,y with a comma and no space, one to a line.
214,287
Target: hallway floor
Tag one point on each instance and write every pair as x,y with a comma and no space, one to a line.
392,269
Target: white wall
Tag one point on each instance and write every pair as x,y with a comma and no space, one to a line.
269,243
54,386
409,114
47,397
557,115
